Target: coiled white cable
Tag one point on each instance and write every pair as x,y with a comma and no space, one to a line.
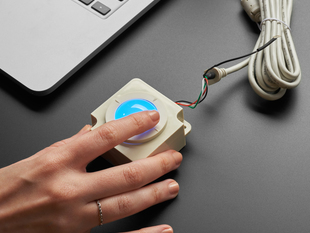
275,69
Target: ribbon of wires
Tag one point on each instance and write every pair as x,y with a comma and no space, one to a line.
202,95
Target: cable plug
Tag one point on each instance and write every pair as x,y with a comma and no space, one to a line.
215,74
252,8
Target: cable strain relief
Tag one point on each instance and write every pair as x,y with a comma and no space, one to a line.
215,74
252,8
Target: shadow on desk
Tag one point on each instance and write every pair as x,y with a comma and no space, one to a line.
35,103
274,109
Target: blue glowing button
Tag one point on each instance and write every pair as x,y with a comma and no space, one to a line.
133,106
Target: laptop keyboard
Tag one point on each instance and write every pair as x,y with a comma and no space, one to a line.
102,8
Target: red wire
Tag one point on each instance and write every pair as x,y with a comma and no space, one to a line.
193,103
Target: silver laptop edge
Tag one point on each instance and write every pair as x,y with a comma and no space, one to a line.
44,42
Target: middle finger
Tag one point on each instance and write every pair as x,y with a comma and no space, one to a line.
131,176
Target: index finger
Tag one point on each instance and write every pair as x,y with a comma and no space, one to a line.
93,144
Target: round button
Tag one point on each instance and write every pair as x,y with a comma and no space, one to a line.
133,106
126,104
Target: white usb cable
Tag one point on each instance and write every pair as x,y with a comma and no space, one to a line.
275,69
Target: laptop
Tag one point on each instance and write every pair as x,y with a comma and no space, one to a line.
43,42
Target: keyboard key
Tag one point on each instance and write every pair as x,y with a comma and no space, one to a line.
87,2
102,9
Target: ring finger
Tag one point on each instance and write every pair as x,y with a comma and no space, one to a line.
126,204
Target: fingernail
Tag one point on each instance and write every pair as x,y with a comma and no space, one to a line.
154,115
174,188
168,230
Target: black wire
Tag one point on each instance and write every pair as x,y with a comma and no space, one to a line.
230,60
233,59
247,55
183,101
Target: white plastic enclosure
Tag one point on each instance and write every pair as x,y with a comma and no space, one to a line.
169,133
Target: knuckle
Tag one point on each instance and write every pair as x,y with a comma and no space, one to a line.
124,204
164,164
59,143
108,133
50,163
156,195
62,193
133,175
138,121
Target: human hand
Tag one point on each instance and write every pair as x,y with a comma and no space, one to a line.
52,192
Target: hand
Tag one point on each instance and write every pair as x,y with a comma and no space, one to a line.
52,192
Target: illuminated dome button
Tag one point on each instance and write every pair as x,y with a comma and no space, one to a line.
133,106
126,104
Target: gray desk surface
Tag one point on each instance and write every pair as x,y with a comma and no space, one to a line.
247,163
